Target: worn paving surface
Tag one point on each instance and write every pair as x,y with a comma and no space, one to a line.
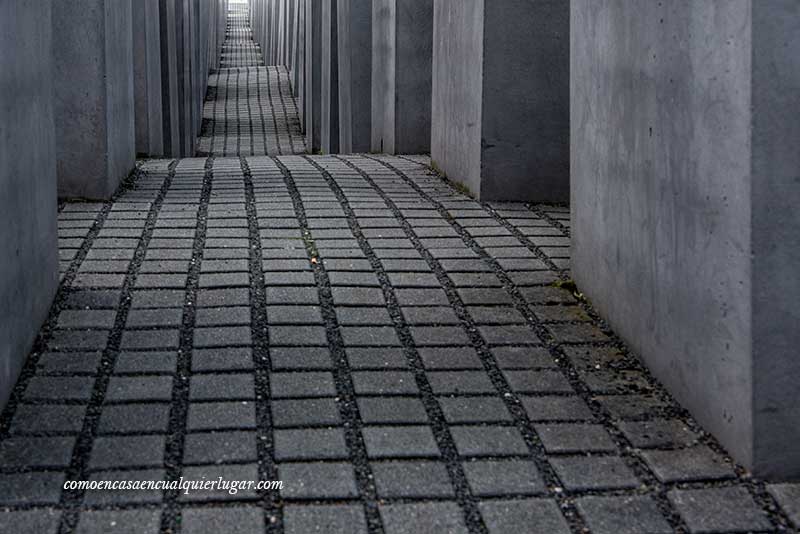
393,351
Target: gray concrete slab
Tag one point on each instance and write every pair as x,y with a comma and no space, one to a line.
147,78
329,94
355,75
313,78
94,110
401,76
684,192
500,98
28,232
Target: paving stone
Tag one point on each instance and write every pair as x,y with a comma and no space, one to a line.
119,522
594,473
287,358
310,444
40,521
292,295
222,359
86,319
460,382
537,381
36,452
234,520
357,296
221,415
150,339
552,408
229,472
213,298
522,357
59,388
421,297
574,437
683,465
146,362
79,339
369,336
127,452
293,315
222,336
431,315
459,409
788,497
411,479
488,440
719,510
494,478
622,515
450,358
398,442
30,418
62,363
220,447
231,315
302,384
134,418
139,388
305,412
222,387
317,480
33,487
335,519
537,516
384,383
391,410
376,358
438,335
418,518
658,433
509,335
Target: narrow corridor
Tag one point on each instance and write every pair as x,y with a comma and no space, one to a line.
403,358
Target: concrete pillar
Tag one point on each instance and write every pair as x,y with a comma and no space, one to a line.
147,79
169,77
329,109
402,40
28,232
355,75
313,67
94,104
500,123
685,227
299,74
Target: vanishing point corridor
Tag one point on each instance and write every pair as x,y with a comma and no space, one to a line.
404,359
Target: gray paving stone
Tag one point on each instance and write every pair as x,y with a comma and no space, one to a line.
288,358
119,522
220,447
488,441
788,498
683,465
222,387
310,444
139,388
305,412
537,516
317,480
460,409
40,521
328,519
374,410
145,362
221,415
363,316
134,418
658,433
234,520
60,363
229,472
719,510
302,384
59,388
622,515
222,359
36,452
522,357
30,418
423,518
574,437
594,473
412,479
399,441
232,315
384,383
127,452
222,336
496,478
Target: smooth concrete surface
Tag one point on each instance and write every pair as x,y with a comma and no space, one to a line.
402,41
28,231
313,77
500,97
686,233
355,75
329,92
94,103
169,77
147,78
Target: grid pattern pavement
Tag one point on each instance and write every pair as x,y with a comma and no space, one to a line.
401,356
250,108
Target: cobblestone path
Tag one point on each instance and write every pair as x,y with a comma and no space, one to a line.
400,356
250,109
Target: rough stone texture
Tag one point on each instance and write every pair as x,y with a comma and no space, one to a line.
500,123
94,103
28,268
684,182
147,78
402,40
